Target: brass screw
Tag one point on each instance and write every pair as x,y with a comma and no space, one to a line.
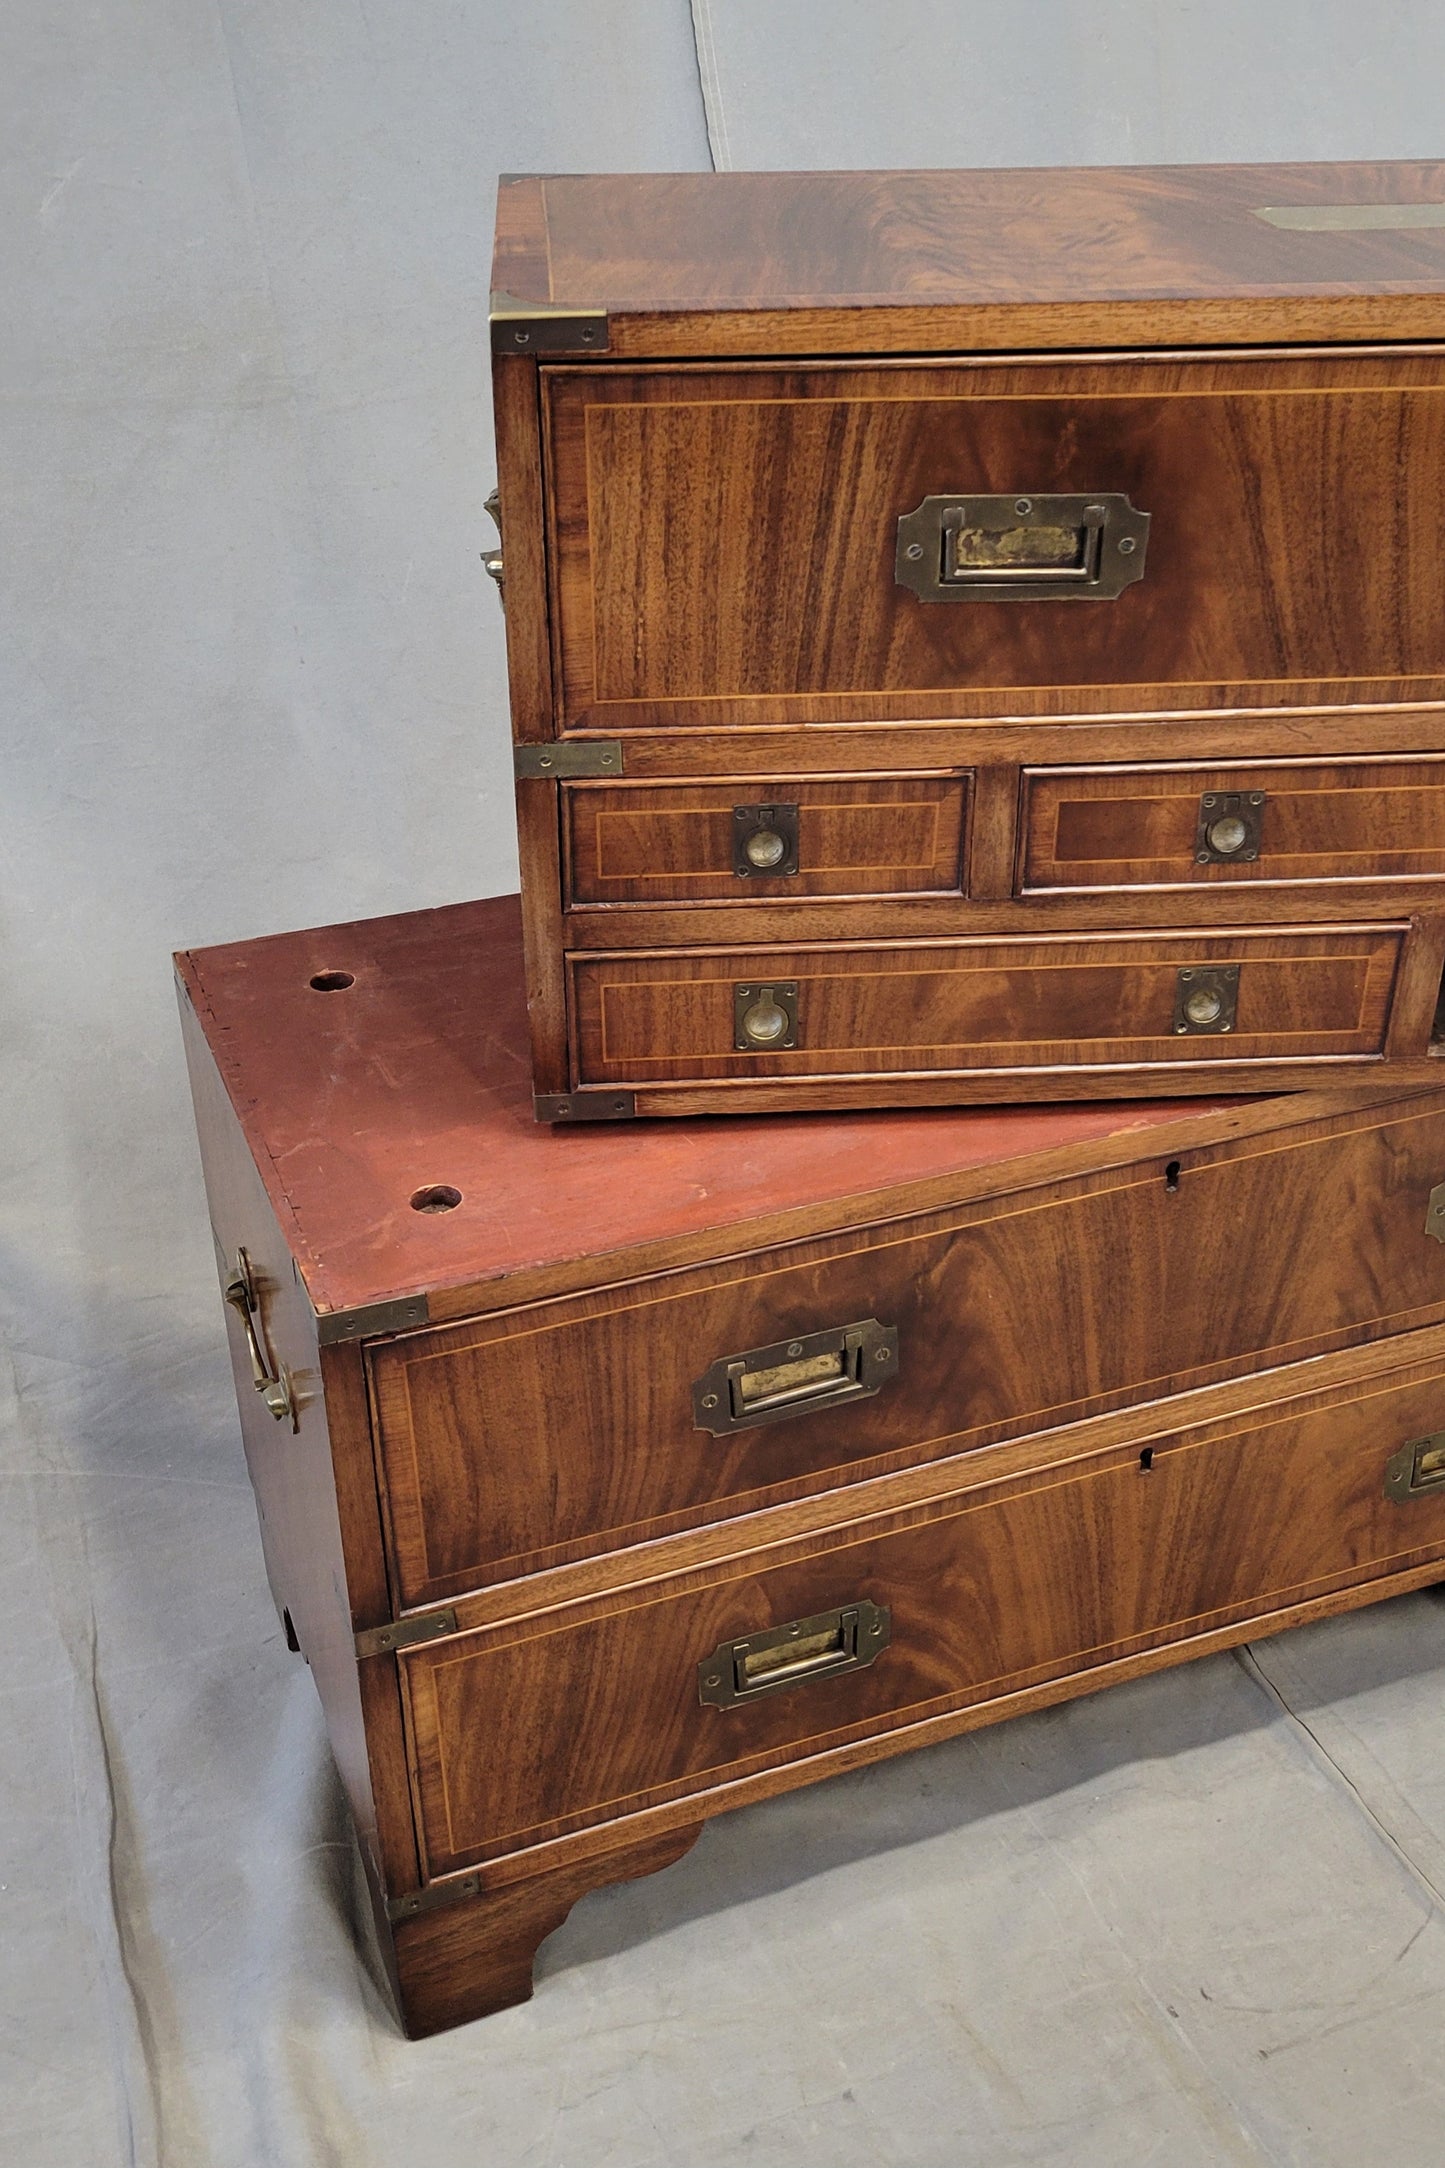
709,1400
881,1354
1127,545
795,1347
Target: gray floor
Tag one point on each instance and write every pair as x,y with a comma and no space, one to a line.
254,680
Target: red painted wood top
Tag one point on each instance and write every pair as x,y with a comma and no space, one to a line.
415,1073
1177,251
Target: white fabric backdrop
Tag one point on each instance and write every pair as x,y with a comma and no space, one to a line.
253,679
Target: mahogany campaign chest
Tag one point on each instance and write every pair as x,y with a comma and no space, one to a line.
974,635
610,1478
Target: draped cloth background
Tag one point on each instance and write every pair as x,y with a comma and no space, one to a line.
253,679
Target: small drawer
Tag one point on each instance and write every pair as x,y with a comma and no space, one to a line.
734,1672
550,1433
965,1007
1272,821
779,838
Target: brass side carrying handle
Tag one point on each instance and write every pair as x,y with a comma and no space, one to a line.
967,548
847,1639
795,1377
241,1295
492,559
1417,1469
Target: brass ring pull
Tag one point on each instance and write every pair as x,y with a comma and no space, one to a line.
241,1295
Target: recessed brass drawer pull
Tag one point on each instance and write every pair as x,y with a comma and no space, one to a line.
765,1018
795,1377
1206,997
1021,549
765,840
1229,826
806,1648
1417,1469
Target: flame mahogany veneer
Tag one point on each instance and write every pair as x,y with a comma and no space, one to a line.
716,397
1152,1361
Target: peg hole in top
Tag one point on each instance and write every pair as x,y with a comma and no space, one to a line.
1171,1176
333,982
436,1197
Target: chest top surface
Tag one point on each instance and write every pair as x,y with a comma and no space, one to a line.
414,1076
1197,253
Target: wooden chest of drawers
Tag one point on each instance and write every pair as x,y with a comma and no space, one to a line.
609,1478
945,609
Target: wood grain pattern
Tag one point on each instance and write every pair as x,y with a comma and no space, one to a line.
809,263
857,836
967,1007
1364,821
724,541
987,1596
559,1431
466,1960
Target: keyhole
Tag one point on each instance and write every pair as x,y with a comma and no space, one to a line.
1146,1458
1171,1176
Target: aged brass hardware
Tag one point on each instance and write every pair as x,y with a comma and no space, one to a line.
540,327
275,1390
1229,827
847,1639
795,1377
399,1314
765,1018
584,1106
1352,217
405,1633
1021,549
1417,1469
492,559
565,759
449,1892
1435,1213
765,840
1205,998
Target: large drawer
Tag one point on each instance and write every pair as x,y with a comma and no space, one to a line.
725,544
704,1682
763,840
969,1006
565,1428
1190,825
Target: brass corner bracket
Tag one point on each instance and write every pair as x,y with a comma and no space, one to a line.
544,327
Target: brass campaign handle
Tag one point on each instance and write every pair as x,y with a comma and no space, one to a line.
241,1295
1417,1469
1022,548
847,1639
795,1377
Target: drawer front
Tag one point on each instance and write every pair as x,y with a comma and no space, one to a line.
572,1427
726,545
962,1007
526,1733
861,836
1271,821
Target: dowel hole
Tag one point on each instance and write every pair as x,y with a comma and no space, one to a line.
1171,1176
436,1197
333,982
